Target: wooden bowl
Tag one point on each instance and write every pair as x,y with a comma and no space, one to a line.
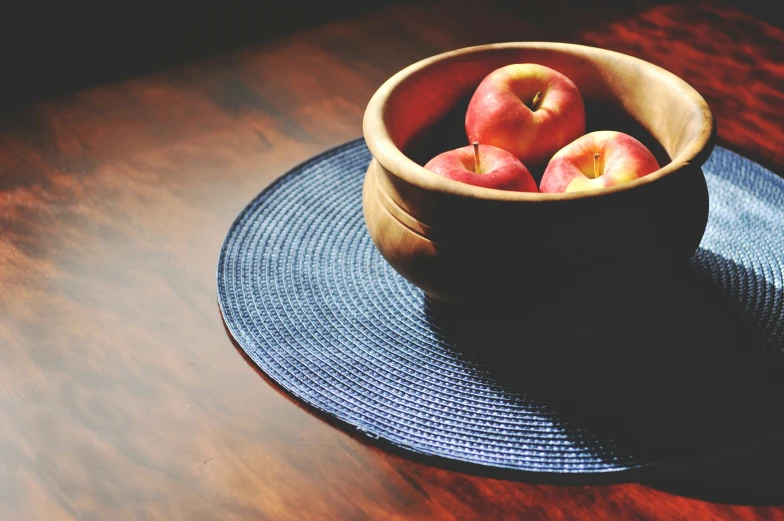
464,244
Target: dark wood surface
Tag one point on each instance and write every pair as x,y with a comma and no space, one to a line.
121,395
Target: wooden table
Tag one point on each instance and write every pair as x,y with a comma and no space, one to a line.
121,394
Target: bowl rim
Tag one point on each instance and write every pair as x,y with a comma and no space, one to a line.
386,152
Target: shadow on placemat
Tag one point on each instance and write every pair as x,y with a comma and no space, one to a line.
753,472
751,475
663,368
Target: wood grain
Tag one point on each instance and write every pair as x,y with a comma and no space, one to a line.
122,397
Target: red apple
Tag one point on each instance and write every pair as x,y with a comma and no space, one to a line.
528,109
485,166
597,160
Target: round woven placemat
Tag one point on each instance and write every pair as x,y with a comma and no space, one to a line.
306,295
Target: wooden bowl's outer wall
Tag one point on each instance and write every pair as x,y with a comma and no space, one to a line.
466,245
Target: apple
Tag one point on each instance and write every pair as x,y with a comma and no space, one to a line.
489,167
528,109
596,160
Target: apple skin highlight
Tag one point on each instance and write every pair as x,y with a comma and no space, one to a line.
499,169
621,159
500,112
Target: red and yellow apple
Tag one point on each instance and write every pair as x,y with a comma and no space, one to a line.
597,160
485,166
527,109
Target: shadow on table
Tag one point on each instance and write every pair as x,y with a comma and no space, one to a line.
664,370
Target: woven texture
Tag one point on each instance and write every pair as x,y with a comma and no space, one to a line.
307,296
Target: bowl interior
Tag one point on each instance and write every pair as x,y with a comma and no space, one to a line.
447,132
424,105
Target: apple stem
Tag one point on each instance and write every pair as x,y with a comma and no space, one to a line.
477,165
535,102
596,157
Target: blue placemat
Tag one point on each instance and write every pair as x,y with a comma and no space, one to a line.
307,296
